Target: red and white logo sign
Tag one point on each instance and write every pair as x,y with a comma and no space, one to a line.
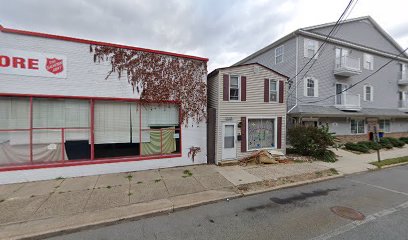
54,65
27,63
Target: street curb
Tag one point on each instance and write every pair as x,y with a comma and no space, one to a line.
392,165
137,216
290,185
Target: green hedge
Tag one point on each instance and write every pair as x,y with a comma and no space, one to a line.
404,139
356,147
371,145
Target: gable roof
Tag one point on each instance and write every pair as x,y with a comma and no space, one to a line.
307,31
368,18
86,41
216,71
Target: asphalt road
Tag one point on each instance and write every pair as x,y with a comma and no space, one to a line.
295,213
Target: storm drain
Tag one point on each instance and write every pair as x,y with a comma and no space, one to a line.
348,213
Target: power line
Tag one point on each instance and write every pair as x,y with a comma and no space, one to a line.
362,80
336,31
321,46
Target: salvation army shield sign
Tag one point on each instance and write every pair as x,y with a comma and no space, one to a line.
54,65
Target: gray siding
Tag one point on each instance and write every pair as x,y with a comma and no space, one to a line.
254,106
362,32
287,67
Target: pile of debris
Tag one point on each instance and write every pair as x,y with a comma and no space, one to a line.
262,156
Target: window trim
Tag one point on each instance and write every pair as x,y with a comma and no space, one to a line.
315,87
282,54
239,89
367,57
275,122
306,42
277,90
364,124
371,93
383,120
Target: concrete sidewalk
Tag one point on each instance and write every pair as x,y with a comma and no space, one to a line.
45,207
349,162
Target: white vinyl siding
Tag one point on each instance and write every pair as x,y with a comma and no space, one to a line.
368,93
368,61
385,125
279,52
310,48
357,126
311,87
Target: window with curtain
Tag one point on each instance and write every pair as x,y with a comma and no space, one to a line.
261,133
357,126
385,125
234,88
273,91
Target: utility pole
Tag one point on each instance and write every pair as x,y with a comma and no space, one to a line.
376,139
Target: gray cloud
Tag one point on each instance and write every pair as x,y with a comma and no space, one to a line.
223,31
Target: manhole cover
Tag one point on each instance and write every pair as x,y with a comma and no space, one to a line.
348,213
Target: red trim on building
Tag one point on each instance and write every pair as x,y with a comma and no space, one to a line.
85,41
85,162
65,163
279,143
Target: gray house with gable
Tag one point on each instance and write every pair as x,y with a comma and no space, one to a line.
320,94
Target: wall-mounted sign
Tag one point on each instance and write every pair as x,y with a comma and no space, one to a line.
27,63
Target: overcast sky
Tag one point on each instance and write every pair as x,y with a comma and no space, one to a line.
225,31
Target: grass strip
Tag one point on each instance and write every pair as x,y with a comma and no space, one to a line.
390,161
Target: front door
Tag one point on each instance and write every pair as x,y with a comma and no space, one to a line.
229,148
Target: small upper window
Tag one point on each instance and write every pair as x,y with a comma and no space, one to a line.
279,54
368,93
310,48
234,88
273,91
311,87
368,61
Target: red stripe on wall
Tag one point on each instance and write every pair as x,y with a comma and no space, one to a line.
225,87
243,135
281,91
279,143
243,88
266,90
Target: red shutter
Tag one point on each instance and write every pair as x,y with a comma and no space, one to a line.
281,91
243,88
243,134
279,143
225,87
266,90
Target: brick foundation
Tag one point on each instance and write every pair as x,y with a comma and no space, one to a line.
365,137
352,138
396,135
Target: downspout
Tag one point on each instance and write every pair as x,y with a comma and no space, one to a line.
296,71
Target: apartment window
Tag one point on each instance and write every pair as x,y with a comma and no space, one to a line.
368,93
279,54
357,126
403,73
368,61
385,125
234,88
311,87
310,48
273,90
261,133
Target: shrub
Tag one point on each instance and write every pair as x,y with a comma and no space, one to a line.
356,147
385,143
312,141
404,139
291,151
371,145
395,142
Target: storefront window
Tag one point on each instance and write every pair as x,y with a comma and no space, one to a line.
261,133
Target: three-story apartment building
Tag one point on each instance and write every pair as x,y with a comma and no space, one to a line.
346,83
